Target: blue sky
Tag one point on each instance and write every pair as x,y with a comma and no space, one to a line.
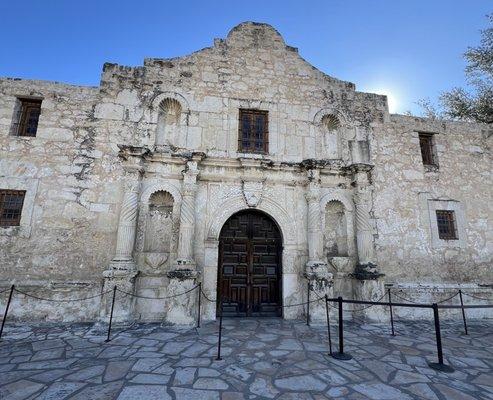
406,49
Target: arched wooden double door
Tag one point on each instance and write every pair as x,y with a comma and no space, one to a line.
249,281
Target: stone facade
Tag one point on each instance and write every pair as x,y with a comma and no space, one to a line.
153,153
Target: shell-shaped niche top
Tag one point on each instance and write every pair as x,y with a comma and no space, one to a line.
331,122
171,110
255,34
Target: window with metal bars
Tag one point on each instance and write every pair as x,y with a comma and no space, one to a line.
27,117
11,202
253,135
447,229
427,149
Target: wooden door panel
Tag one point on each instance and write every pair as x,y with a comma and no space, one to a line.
249,265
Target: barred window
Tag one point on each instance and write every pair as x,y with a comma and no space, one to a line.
11,202
427,149
253,135
447,229
26,117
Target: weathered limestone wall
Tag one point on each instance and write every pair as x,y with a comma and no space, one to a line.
404,193
340,170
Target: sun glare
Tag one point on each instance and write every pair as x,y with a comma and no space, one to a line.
391,98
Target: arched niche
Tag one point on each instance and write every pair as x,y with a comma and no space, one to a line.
159,224
331,125
338,224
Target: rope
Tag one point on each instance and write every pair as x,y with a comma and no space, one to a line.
301,304
403,298
371,305
3,291
207,298
447,299
61,300
156,298
476,297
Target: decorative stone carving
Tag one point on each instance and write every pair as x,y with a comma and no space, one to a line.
252,192
156,260
187,215
366,268
315,244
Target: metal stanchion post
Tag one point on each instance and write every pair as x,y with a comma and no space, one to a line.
463,312
200,297
111,314
328,323
341,355
439,366
218,358
391,314
7,309
308,306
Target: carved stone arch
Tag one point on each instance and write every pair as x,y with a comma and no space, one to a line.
156,186
185,105
343,118
344,198
237,203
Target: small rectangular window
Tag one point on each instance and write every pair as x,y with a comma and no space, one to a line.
253,135
11,202
27,117
447,229
426,143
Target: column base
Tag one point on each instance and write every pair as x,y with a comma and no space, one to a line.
182,308
122,275
321,283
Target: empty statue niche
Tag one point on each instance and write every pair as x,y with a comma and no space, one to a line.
168,122
159,224
331,127
335,232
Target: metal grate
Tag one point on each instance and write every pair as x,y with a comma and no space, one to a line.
446,225
253,136
27,117
11,202
426,144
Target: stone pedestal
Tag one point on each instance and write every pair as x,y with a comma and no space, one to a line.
124,304
182,310
320,283
371,290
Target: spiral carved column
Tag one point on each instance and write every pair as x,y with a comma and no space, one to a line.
183,275
320,280
122,270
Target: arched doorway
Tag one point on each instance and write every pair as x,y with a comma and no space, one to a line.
249,270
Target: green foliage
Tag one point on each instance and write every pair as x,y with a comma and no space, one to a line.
475,104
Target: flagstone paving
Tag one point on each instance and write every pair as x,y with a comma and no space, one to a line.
262,359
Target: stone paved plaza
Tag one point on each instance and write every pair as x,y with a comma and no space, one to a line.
263,358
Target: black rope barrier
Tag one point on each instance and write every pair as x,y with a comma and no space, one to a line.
218,358
157,298
60,300
463,311
12,288
476,297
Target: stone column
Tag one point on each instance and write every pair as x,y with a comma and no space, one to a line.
122,269
187,215
367,274
316,270
181,310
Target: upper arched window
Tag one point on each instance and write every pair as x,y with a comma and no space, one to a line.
169,115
